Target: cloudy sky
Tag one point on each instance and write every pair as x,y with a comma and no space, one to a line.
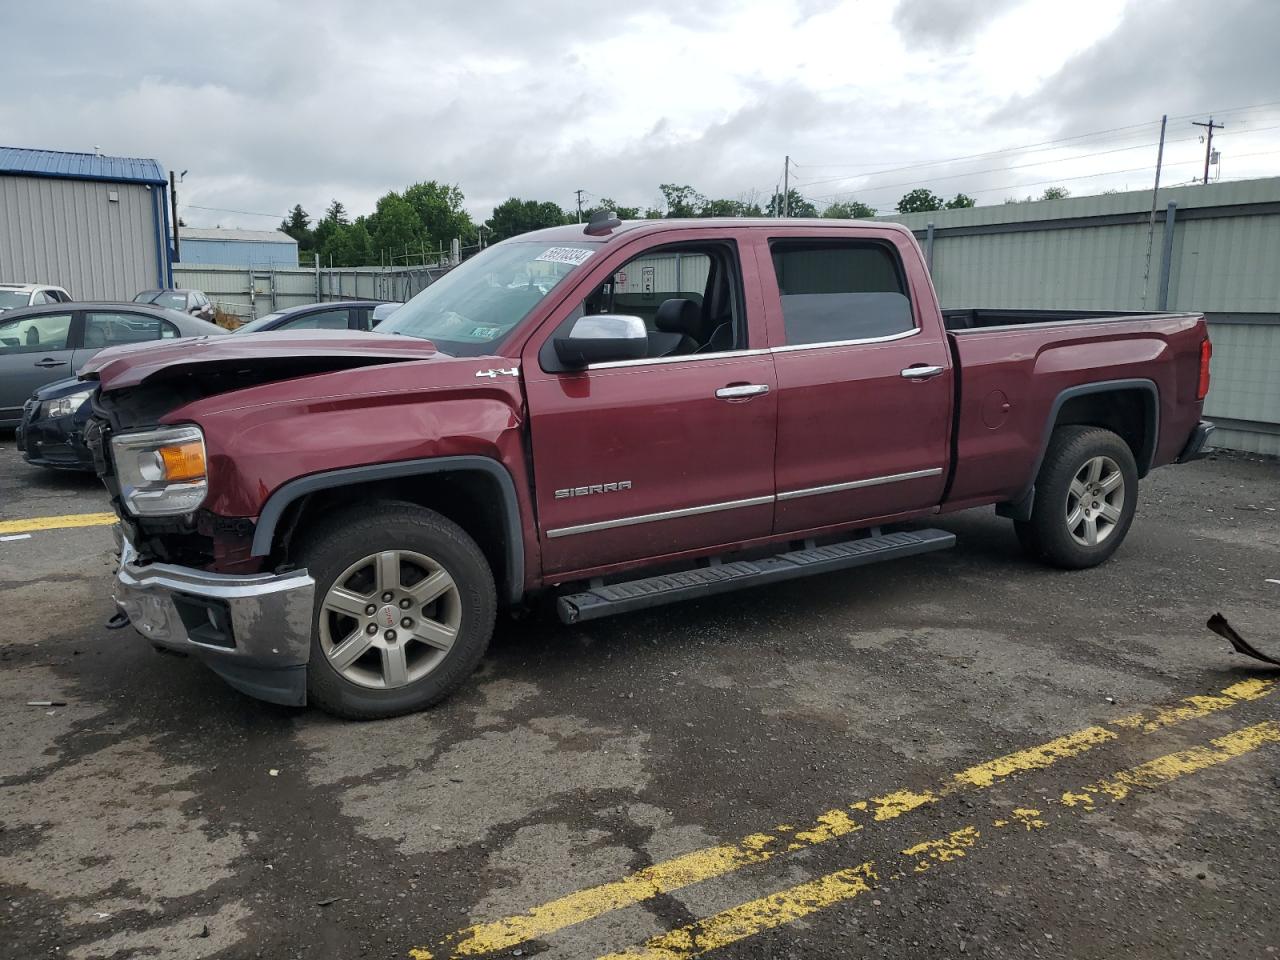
268,103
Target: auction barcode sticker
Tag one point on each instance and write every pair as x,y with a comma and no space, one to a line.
572,255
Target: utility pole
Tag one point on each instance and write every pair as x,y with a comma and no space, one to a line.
1151,225
173,202
786,186
1208,144
579,193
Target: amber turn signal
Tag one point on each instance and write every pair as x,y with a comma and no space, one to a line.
183,461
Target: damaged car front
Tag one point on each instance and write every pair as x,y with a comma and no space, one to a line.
188,580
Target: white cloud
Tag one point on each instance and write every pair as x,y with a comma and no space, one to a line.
268,104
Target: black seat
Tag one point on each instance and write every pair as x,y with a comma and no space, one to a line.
681,328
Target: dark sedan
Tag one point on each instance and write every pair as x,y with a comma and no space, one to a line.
338,315
52,420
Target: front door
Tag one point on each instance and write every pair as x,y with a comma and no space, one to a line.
670,454
864,381
34,350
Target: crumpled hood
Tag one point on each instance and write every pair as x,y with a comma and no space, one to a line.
312,351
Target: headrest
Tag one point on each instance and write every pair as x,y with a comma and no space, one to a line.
679,316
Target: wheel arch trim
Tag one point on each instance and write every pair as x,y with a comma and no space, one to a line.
286,494
1021,504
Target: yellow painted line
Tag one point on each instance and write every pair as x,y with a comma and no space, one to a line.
32,524
711,862
767,913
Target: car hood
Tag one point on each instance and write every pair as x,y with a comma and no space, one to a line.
61,388
287,354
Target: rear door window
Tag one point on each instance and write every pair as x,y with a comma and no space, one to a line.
839,290
324,320
112,329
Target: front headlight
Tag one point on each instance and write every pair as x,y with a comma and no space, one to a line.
161,472
65,406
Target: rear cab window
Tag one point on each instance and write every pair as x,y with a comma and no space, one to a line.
836,291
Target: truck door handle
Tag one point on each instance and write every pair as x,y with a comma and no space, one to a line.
742,391
50,362
922,372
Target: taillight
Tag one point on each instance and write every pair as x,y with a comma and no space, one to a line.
1206,352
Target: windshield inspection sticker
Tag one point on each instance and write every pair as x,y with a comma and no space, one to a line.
570,255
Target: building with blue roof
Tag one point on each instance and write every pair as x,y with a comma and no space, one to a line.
96,225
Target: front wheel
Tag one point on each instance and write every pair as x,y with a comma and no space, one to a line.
1086,495
404,608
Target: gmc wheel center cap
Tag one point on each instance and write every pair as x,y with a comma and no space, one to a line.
388,615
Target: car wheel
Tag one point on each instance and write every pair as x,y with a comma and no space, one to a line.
404,609
1086,495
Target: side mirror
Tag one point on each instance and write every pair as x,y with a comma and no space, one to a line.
602,338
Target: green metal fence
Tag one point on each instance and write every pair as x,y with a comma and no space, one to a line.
1213,249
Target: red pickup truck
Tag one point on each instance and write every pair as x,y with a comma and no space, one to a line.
615,416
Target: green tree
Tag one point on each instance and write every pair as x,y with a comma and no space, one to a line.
395,228
1055,193
682,200
337,213
298,226
796,205
349,245
919,200
440,211
960,201
515,216
849,210
624,213
730,208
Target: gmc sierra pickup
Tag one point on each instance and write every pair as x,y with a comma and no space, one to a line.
614,417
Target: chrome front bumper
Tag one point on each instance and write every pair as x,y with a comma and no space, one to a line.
253,630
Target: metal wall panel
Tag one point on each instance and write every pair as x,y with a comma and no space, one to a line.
70,233
1225,251
238,253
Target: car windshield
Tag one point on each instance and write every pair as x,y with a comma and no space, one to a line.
475,305
254,325
13,298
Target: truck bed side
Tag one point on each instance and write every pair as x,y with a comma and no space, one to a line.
1138,375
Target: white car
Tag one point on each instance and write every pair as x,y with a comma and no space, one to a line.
14,295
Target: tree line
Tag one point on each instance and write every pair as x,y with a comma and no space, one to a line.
419,223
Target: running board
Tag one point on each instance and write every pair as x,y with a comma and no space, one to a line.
604,601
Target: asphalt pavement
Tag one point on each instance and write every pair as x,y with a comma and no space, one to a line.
956,755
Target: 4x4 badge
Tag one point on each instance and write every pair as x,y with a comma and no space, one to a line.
500,371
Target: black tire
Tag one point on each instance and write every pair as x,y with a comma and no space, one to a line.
1048,536
332,546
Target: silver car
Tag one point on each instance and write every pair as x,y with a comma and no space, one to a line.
39,345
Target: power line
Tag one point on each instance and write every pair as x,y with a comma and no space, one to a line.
1018,166
1085,176
247,213
1033,147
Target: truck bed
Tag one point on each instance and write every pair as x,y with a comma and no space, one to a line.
967,318
1016,369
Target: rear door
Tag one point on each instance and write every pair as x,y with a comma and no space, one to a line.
864,378
643,459
34,350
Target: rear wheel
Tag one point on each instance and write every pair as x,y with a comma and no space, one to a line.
1086,495
404,608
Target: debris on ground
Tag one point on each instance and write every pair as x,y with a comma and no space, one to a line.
117,620
46,703
1219,625
328,900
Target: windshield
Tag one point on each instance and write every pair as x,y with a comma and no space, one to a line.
255,325
13,298
163,298
476,304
